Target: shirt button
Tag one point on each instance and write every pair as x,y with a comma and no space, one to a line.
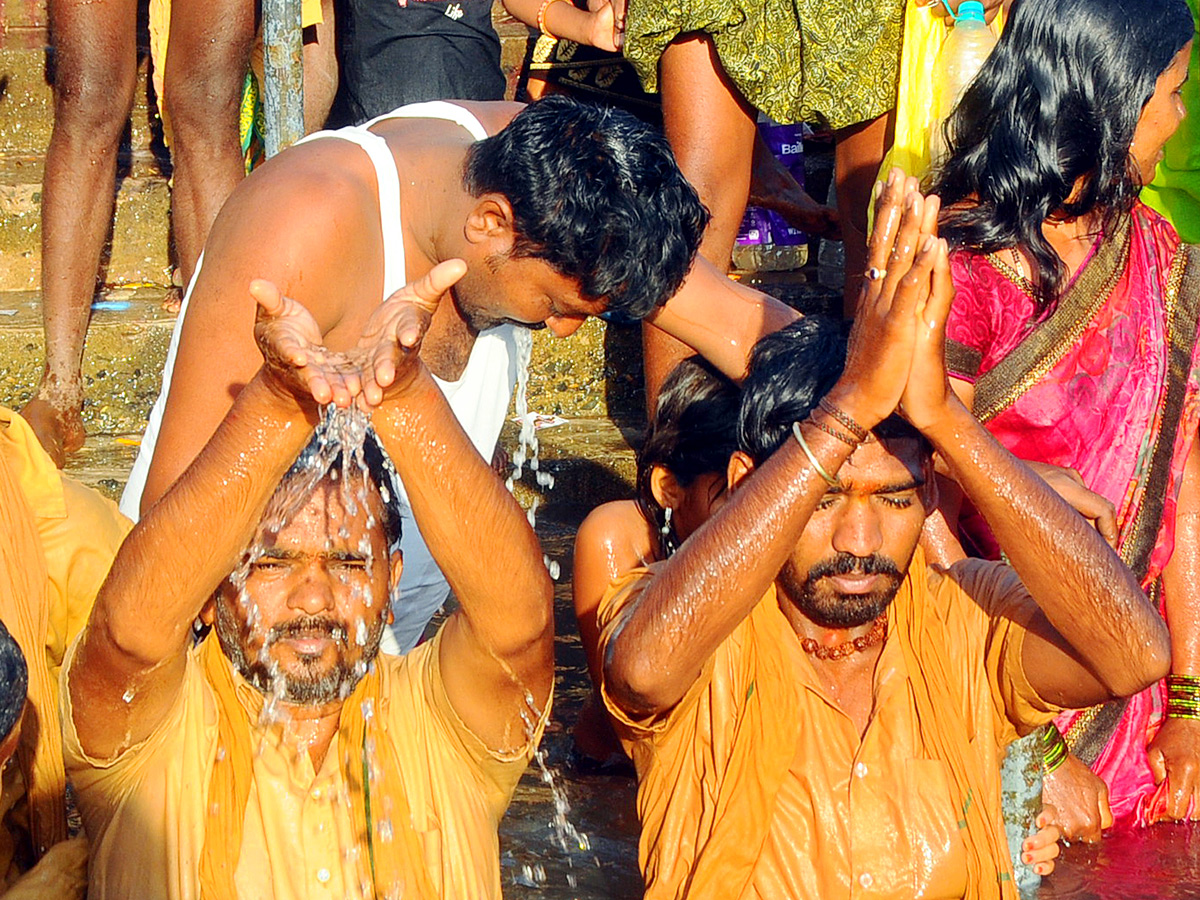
316,793
860,769
322,875
865,879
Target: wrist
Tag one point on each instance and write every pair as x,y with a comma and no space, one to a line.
850,402
946,427
1183,696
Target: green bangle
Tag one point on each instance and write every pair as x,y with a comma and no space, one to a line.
1183,696
1054,748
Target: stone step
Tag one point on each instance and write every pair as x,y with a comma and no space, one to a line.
592,461
594,373
139,249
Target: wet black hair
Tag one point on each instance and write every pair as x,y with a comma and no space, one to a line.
14,683
597,194
1056,103
693,430
790,371
379,470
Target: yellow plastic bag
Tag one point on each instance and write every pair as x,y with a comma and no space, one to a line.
924,32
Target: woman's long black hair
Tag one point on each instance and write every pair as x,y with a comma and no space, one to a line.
1056,103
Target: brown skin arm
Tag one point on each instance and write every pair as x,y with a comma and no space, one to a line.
1175,751
500,643
269,229
130,661
1078,652
612,540
706,589
720,319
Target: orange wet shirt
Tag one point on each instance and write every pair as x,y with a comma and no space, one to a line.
756,785
58,539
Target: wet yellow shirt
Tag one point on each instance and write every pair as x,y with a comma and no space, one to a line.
78,532
145,809
802,807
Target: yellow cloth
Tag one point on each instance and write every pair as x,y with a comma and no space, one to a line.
757,785
58,541
145,810
924,33
381,818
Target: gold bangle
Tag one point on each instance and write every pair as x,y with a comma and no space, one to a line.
820,469
541,19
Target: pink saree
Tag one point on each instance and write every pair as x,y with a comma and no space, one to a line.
1107,382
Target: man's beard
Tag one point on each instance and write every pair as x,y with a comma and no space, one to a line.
828,608
310,685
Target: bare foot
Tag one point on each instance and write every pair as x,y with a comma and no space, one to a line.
60,430
173,299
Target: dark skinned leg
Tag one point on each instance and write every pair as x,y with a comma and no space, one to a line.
711,128
858,154
208,56
320,70
95,73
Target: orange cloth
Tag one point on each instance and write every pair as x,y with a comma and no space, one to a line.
757,785
145,810
394,862
57,542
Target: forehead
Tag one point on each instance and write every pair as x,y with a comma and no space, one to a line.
322,520
537,274
879,465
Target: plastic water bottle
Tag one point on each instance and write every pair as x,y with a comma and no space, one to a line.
963,53
765,242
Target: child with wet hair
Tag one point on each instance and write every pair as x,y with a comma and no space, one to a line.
680,483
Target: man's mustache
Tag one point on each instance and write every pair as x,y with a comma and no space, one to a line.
309,627
849,564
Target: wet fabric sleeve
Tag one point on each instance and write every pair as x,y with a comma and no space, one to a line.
993,591
497,770
620,598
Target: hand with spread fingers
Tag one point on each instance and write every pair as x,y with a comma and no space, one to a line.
896,289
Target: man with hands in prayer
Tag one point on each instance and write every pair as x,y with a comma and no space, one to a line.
813,709
283,756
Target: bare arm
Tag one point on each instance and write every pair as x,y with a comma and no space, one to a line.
706,589
500,644
719,318
1175,752
593,26
1084,650
612,540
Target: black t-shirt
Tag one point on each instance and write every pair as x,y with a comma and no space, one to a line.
396,53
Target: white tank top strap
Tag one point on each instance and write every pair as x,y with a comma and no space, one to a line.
388,181
437,109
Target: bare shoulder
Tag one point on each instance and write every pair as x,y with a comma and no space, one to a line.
618,523
308,220
493,115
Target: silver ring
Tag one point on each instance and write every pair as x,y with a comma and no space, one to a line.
875,274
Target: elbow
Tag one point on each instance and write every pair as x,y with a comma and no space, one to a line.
635,683
1149,665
